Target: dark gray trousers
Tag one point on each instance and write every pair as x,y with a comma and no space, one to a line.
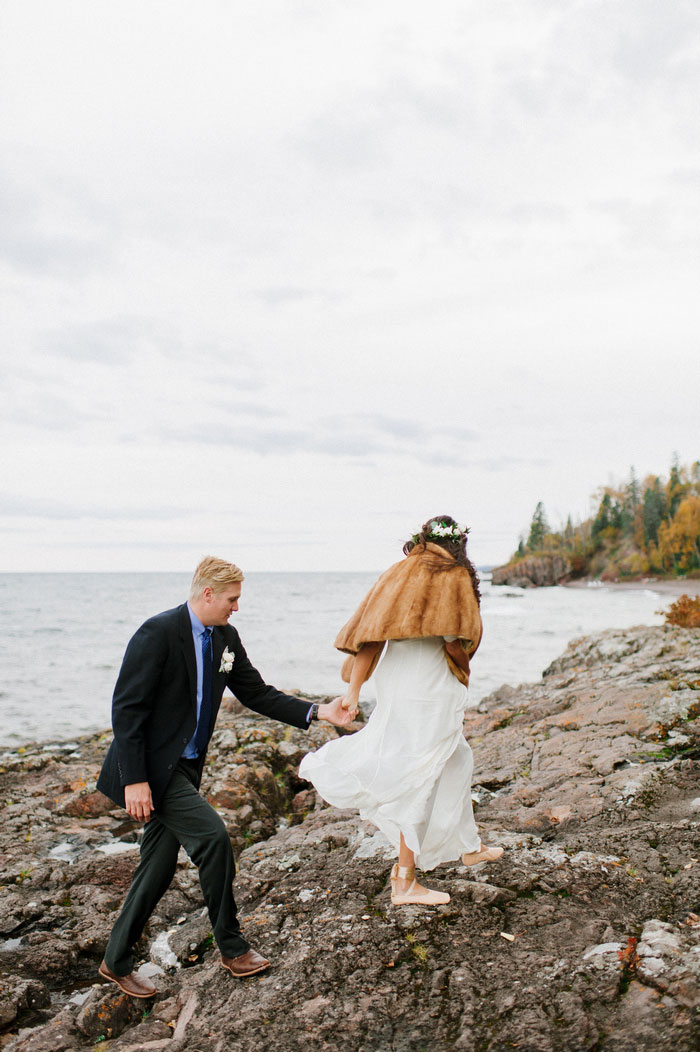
183,817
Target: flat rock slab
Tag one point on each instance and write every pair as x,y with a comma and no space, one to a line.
580,937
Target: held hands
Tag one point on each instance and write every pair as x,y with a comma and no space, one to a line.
350,702
337,712
138,801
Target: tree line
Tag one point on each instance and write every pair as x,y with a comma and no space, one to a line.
652,526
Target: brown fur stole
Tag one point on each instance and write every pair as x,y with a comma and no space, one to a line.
412,601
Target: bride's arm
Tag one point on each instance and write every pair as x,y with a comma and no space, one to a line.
457,652
360,667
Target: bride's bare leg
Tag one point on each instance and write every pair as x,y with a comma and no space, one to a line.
406,859
402,884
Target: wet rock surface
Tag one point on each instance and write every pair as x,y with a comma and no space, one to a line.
585,935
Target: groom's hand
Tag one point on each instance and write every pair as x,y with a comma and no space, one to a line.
138,801
335,713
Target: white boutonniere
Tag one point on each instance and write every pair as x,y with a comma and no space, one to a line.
226,661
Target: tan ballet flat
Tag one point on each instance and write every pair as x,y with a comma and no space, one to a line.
484,854
414,896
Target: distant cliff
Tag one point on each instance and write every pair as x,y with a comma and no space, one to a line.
640,528
535,571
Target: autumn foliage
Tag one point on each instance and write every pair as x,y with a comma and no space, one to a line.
684,612
638,528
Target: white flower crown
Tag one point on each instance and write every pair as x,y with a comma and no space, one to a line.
454,532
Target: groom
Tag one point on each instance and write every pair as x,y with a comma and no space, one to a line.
163,713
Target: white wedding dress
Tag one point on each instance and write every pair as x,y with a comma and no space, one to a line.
409,769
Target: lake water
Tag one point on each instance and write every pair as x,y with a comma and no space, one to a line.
62,636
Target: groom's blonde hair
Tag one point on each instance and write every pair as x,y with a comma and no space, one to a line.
214,573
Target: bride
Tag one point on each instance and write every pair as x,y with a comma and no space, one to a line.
409,769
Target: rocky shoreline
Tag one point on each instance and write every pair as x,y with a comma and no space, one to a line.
585,936
546,571
536,571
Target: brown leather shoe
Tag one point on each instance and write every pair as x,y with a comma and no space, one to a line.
131,984
249,963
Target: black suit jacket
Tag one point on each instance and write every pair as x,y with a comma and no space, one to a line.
154,708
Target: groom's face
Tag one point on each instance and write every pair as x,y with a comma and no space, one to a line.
220,605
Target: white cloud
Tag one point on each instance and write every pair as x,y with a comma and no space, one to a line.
346,265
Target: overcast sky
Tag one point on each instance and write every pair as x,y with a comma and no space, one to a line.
282,279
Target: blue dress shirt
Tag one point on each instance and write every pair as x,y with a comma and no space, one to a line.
198,633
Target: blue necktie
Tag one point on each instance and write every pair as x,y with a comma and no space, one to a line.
202,736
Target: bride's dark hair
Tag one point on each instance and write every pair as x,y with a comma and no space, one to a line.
456,545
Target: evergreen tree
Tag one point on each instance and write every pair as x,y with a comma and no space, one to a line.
539,528
616,515
654,510
630,502
632,494
674,488
602,519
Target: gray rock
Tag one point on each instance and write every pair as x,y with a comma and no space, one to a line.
107,1012
588,779
486,894
19,995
